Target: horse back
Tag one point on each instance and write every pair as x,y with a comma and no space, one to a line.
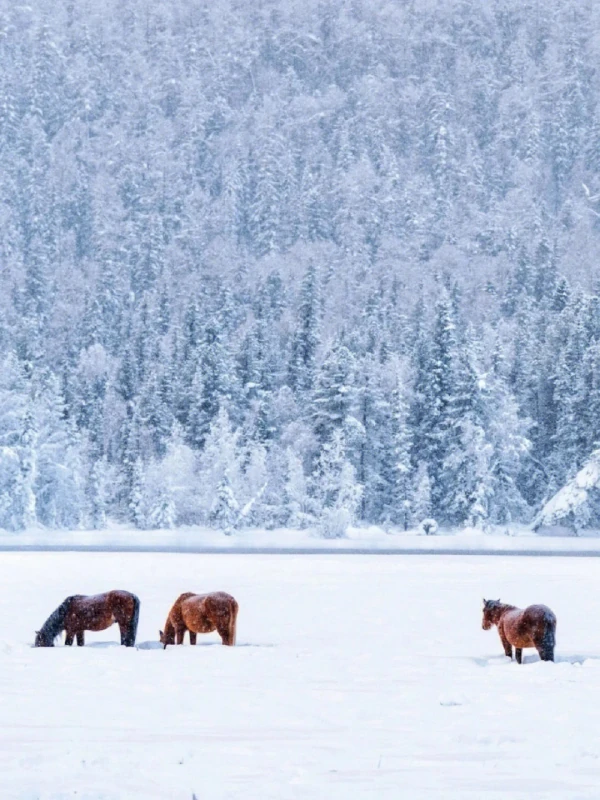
540,619
221,604
540,613
205,612
526,627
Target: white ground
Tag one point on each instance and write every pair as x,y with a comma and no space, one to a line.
355,677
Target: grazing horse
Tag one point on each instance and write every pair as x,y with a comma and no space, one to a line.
201,613
80,613
534,626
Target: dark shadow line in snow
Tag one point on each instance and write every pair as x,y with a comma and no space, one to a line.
532,658
292,551
158,645
576,658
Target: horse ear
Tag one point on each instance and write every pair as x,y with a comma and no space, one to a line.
498,600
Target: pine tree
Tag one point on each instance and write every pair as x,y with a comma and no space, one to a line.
422,504
136,503
224,513
336,490
254,485
334,393
298,506
440,405
220,456
307,335
401,497
28,458
97,494
506,432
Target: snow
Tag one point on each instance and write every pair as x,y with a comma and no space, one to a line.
371,539
354,677
573,495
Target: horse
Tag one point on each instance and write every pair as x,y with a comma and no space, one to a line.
534,626
201,613
80,612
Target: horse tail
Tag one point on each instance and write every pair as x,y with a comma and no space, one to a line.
546,648
133,623
233,611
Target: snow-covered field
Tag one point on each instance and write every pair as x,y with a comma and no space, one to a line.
355,677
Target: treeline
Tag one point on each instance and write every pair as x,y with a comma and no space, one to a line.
266,265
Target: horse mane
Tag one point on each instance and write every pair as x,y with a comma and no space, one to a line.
497,605
55,623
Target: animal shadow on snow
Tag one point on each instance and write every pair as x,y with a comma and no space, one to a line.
158,646
98,645
155,645
532,658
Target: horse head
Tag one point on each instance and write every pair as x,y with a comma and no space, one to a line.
42,640
165,639
490,613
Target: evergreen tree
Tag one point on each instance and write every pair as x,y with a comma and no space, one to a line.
298,505
97,494
136,503
334,393
401,507
422,504
220,456
336,490
307,336
224,513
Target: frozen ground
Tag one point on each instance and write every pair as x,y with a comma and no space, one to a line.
355,677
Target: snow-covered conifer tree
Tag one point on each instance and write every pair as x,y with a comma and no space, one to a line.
336,490
220,455
298,505
225,509
422,504
334,392
307,334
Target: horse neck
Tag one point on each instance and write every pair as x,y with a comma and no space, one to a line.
55,623
169,632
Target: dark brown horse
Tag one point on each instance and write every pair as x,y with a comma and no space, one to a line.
201,613
80,613
534,626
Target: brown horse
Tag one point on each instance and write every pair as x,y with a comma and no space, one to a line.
201,613
534,626
80,613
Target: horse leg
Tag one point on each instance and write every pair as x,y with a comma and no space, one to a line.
193,637
180,633
546,653
545,646
69,639
223,631
128,622
507,646
519,654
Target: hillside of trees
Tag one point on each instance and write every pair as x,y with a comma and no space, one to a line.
297,263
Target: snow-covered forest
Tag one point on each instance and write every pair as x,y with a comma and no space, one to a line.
296,263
